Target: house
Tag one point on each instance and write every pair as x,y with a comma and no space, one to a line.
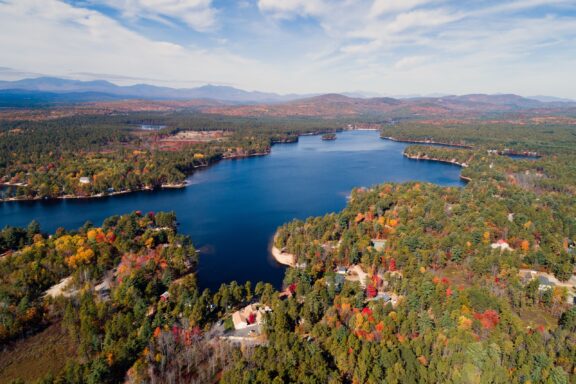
165,296
383,296
378,244
84,180
252,314
502,245
545,283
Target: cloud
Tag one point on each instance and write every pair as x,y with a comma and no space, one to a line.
198,14
286,9
381,7
408,46
410,62
55,38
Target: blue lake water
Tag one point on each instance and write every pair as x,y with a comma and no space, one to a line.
232,209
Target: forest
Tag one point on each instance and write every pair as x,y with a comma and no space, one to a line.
87,156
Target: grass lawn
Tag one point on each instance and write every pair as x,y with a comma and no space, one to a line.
535,317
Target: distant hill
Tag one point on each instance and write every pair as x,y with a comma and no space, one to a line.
340,105
45,91
19,98
103,90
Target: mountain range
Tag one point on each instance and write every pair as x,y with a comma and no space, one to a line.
101,90
45,91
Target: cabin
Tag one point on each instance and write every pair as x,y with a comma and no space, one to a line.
165,296
84,180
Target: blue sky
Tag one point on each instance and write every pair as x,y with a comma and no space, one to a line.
390,47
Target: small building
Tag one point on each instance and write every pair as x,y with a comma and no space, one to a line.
378,244
545,283
84,180
383,296
340,270
502,245
165,296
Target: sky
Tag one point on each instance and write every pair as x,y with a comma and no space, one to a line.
384,47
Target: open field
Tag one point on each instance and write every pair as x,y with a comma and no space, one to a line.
32,358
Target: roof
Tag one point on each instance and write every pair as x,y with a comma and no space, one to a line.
378,244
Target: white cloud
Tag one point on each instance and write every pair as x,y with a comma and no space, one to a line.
285,9
410,62
55,38
421,18
198,14
382,7
410,47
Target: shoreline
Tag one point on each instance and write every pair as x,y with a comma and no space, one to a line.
96,196
429,142
283,258
184,184
280,257
453,162
427,158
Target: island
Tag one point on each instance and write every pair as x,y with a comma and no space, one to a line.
329,136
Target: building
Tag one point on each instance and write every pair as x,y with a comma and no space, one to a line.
502,245
84,180
378,244
545,283
252,314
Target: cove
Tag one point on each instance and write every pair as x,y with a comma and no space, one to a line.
232,209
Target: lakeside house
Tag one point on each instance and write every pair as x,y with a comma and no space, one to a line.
84,180
252,314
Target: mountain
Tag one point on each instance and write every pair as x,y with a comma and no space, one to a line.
100,88
44,91
340,105
19,98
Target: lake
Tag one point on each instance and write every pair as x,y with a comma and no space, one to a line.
232,209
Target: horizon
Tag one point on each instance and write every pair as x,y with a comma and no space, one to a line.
416,47
350,94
